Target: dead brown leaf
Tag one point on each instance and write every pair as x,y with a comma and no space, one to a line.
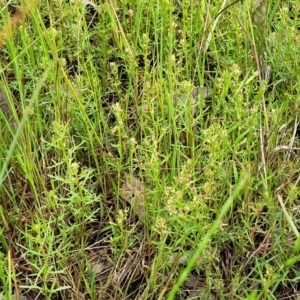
101,266
180,260
195,285
195,93
259,12
192,98
87,2
133,192
201,90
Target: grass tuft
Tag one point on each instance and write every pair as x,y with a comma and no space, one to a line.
149,150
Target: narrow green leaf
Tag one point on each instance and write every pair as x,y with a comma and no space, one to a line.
296,247
291,261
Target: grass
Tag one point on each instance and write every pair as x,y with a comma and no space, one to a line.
119,181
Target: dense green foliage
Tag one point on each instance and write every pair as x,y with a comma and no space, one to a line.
151,151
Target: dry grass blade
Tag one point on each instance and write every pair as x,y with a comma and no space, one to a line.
294,136
208,40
